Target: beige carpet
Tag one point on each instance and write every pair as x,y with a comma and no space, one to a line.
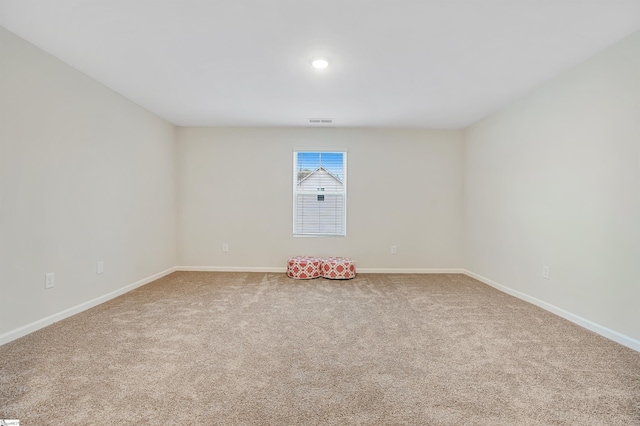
251,348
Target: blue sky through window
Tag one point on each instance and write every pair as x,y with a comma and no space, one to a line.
331,161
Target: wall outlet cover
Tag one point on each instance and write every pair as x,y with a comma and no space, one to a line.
49,280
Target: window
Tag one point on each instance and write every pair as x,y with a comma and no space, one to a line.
319,193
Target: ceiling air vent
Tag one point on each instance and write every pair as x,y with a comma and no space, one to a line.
320,120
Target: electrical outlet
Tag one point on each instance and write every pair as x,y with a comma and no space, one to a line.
49,280
225,247
100,268
394,249
545,272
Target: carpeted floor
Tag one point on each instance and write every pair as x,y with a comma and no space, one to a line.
252,348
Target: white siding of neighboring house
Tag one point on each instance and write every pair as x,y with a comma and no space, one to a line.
320,217
320,179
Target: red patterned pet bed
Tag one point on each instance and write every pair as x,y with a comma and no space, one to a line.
338,268
303,267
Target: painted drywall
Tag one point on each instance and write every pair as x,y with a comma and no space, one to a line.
554,179
236,188
85,176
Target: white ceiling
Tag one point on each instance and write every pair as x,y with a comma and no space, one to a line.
394,63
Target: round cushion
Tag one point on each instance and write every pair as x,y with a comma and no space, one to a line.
303,267
338,268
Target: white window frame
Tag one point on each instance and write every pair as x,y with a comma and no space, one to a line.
297,192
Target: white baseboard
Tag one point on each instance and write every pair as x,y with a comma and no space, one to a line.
274,269
37,325
589,325
410,271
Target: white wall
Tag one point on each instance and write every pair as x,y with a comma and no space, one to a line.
85,176
554,179
236,187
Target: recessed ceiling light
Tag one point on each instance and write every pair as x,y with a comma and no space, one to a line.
319,63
